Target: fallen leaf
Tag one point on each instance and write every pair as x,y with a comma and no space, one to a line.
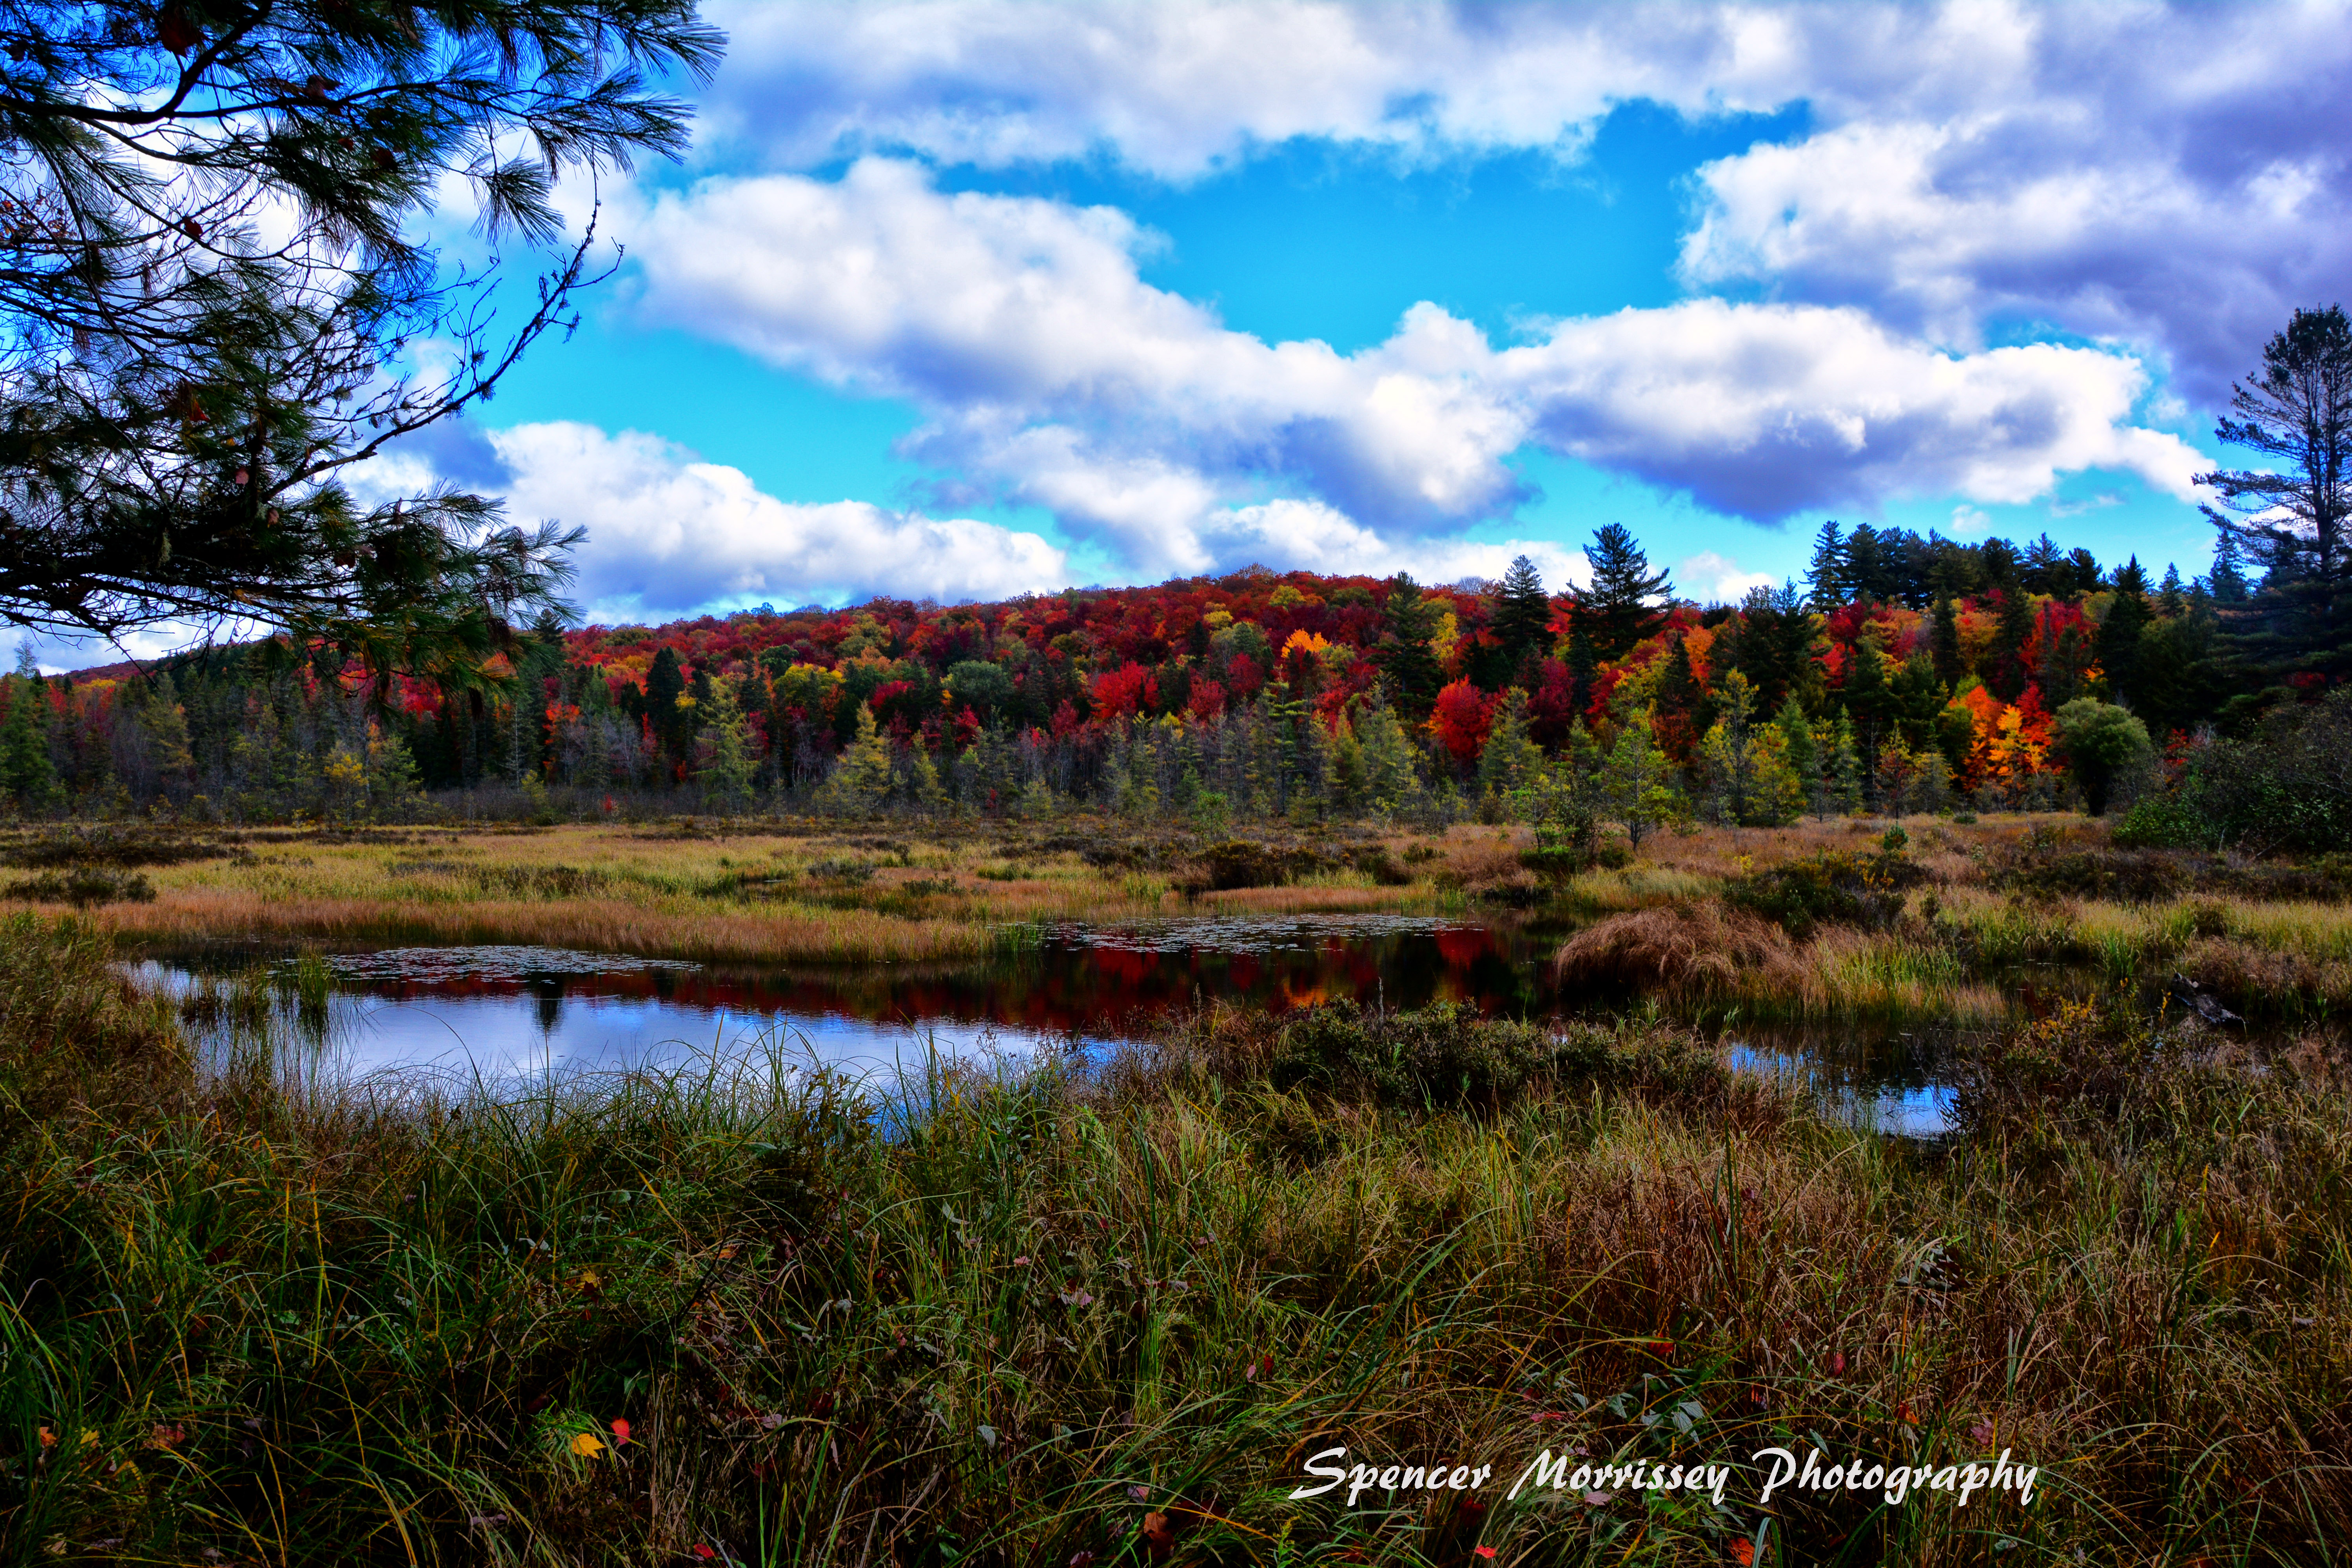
1484,1551
587,1445
1743,1551
620,1431
1159,1537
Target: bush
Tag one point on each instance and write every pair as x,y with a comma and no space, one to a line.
2045,864
2160,822
85,888
1834,887
1238,863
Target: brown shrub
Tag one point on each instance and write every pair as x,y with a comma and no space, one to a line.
1685,949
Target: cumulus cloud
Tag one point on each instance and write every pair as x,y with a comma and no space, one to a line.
1052,372
1179,89
2171,175
669,534
1714,578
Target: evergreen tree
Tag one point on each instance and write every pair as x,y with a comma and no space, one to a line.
860,780
1410,673
390,770
1869,571
1774,646
1943,640
1637,781
1679,703
664,684
2009,674
1509,762
165,723
222,255
1392,770
26,771
1803,755
1866,696
1522,617
728,765
1825,578
2231,588
1744,763
2118,641
1845,770
1618,606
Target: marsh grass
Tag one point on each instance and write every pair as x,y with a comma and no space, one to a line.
1004,1317
718,893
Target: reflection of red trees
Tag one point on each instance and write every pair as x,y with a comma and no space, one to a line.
1464,946
1065,988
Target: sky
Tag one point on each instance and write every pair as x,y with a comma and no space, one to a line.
961,299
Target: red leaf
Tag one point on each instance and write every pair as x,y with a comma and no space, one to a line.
620,1431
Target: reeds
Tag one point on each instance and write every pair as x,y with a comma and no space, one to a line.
1032,1317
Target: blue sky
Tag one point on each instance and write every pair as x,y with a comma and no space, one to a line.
962,298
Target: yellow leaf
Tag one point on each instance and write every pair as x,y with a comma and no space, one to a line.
587,1445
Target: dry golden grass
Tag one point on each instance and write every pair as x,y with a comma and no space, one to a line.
855,894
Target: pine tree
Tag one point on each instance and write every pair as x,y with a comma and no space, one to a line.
1618,605
860,782
664,684
1744,763
1679,702
165,722
729,765
1637,781
210,319
1944,641
391,771
1776,642
2119,631
1522,618
1392,764
2009,673
1868,579
1804,757
1845,768
1825,579
1508,764
2229,585
27,772
1410,673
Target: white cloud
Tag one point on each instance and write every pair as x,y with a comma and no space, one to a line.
1711,578
1177,89
667,534
2168,174
1053,374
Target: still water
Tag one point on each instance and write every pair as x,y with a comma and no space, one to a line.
504,1012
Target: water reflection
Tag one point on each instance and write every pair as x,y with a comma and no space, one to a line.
508,1012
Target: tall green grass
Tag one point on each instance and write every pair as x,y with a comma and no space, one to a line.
1045,1317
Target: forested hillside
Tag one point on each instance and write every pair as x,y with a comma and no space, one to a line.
1905,674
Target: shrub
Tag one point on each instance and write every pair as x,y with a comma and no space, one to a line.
1238,863
2046,865
1832,888
85,888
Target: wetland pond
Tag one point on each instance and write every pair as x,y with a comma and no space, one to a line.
513,1012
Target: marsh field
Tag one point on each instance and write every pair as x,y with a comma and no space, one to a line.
1546,1194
